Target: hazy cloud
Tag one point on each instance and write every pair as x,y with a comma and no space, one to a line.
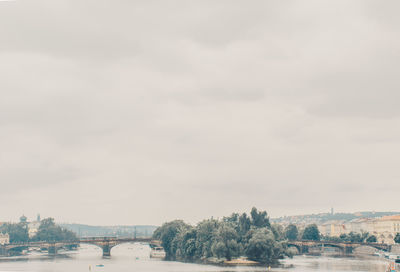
135,112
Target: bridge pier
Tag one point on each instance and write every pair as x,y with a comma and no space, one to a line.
52,250
303,249
106,250
3,251
348,250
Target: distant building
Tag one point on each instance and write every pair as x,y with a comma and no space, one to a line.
33,227
386,228
361,225
332,228
4,239
23,219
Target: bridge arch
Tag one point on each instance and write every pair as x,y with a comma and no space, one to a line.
107,244
334,245
298,247
364,249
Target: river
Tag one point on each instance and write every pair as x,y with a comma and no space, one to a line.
135,258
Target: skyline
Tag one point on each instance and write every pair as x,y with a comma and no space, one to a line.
141,112
34,218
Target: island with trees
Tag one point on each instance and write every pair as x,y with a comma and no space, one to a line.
217,240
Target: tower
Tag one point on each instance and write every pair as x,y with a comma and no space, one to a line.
23,219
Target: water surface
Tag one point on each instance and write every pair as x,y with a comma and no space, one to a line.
135,258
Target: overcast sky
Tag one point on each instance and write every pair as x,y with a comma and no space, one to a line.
139,112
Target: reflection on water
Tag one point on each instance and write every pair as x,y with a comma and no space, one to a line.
135,257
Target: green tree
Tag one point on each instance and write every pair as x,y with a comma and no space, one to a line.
206,230
263,247
168,233
371,239
278,232
291,232
311,232
186,242
233,236
331,238
259,219
50,232
244,224
225,244
355,237
18,232
397,238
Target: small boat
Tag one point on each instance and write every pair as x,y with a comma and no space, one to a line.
157,252
392,267
99,265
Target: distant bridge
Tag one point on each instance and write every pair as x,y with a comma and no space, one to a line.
303,246
105,243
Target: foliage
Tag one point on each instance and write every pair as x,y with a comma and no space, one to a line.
331,238
225,242
263,247
397,238
291,232
18,232
311,232
259,219
48,231
356,237
233,236
352,237
371,239
168,234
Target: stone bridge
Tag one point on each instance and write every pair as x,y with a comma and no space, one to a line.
105,243
303,246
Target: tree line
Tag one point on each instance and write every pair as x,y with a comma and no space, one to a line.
252,236
48,231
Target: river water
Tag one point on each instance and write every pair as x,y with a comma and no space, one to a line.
135,258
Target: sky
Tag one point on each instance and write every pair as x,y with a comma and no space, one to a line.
141,112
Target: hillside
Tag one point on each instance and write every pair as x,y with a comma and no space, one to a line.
324,217
121,231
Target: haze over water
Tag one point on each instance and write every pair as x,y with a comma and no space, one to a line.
135,257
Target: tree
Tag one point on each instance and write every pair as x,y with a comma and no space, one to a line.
244,224
233,236
371,239
18,232
225,244
291,232
397,238
263,247
205,234
167,233
50,232
311,232
186,241
355,237
331,238
259,219
278,232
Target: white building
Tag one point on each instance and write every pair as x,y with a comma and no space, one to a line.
361,225
4,239
386,228
33,228
333,228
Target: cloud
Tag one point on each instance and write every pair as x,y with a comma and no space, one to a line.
195,109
